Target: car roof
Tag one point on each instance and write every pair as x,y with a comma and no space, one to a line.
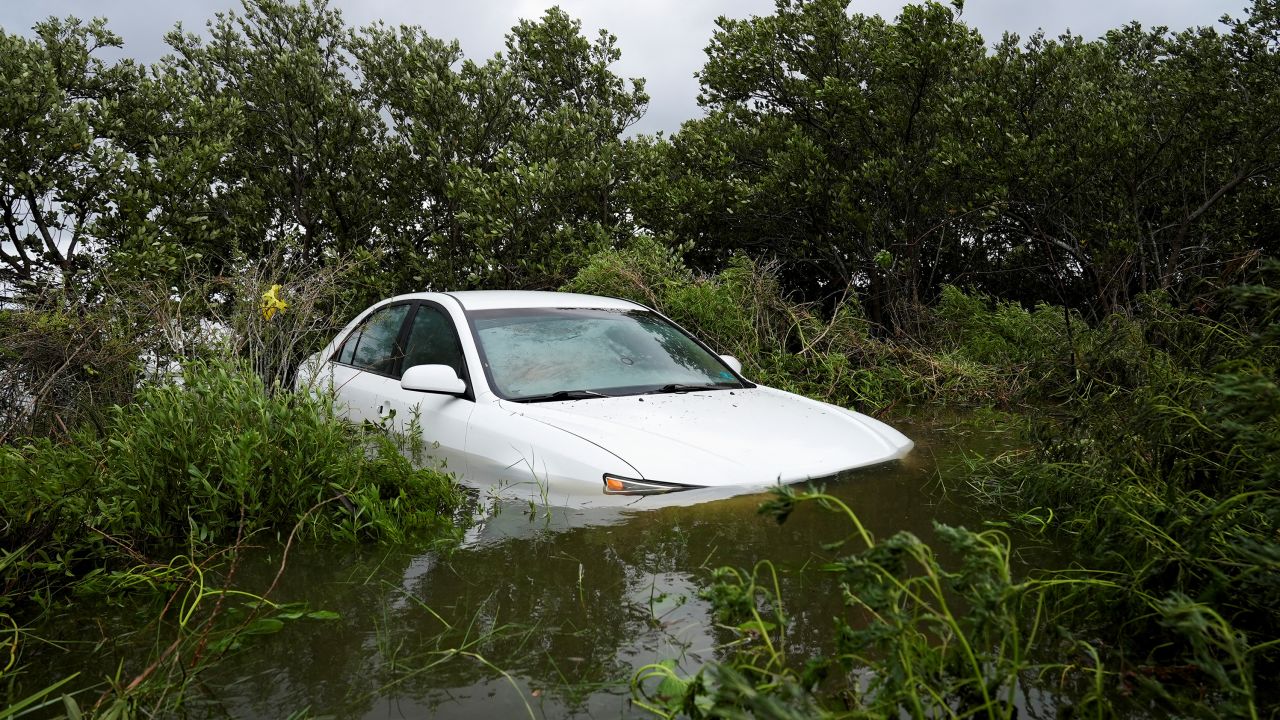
501,299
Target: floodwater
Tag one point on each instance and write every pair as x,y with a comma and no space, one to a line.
543,612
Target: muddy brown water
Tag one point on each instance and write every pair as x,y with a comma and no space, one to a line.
542,611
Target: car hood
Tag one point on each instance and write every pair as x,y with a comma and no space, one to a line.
753,436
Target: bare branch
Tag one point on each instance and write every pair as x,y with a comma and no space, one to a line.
38,216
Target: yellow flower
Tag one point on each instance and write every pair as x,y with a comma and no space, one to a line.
271,303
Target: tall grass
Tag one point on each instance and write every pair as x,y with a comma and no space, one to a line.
919,638
1166,475
195,466
160,499
1152,448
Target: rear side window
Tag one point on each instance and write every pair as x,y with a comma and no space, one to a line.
433,341
373,346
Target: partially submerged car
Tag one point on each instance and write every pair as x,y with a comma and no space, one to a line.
581,398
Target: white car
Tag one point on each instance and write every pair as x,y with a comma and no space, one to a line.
581,397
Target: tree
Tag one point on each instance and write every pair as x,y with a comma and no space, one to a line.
305,166
1114,163
59,157
167,218
830,145
506,172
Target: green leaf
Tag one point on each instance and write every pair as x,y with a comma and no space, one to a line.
263,626
762,627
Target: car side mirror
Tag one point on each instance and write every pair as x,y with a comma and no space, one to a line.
433,379
734,363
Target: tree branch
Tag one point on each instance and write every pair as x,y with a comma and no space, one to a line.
22,261
38,216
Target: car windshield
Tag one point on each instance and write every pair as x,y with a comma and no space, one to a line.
561,354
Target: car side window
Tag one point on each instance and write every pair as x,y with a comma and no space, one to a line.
349,347
433,341
373,346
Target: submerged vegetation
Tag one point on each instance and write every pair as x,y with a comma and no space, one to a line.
202,464
879,213
1170,485
920,637
1151,449
162,498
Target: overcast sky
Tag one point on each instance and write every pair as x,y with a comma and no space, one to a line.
661,40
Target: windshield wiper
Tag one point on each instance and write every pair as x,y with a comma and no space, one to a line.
684,388
561,395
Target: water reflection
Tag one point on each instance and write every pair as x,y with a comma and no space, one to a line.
566,602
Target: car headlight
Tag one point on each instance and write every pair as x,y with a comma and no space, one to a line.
618,485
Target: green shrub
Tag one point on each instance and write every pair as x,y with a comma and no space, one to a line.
639,272
743,311
1000,332
200,464
1168,476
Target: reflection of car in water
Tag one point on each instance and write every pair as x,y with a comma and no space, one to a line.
582,397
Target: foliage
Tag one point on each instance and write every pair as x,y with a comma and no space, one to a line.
206,622
901,156
196,465
829,145
1169,482
1113,154
950,634
743,311
920,638
60,369
503,172
870,158
320,299
63,362
1001,332
871,211
301,167
58,161
1050,353
103,164
1159,465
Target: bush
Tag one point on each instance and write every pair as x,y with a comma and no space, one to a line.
66,358
198,464
60,368
1000,332
1166,475
743,311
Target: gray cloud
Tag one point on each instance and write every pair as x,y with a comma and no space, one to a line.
661,40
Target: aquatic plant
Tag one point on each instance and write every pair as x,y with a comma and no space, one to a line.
197,625
919,637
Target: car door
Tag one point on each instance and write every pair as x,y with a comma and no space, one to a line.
440,419
366,361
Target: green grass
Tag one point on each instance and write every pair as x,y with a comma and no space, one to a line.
918,638
159,504
194,467
1151,451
